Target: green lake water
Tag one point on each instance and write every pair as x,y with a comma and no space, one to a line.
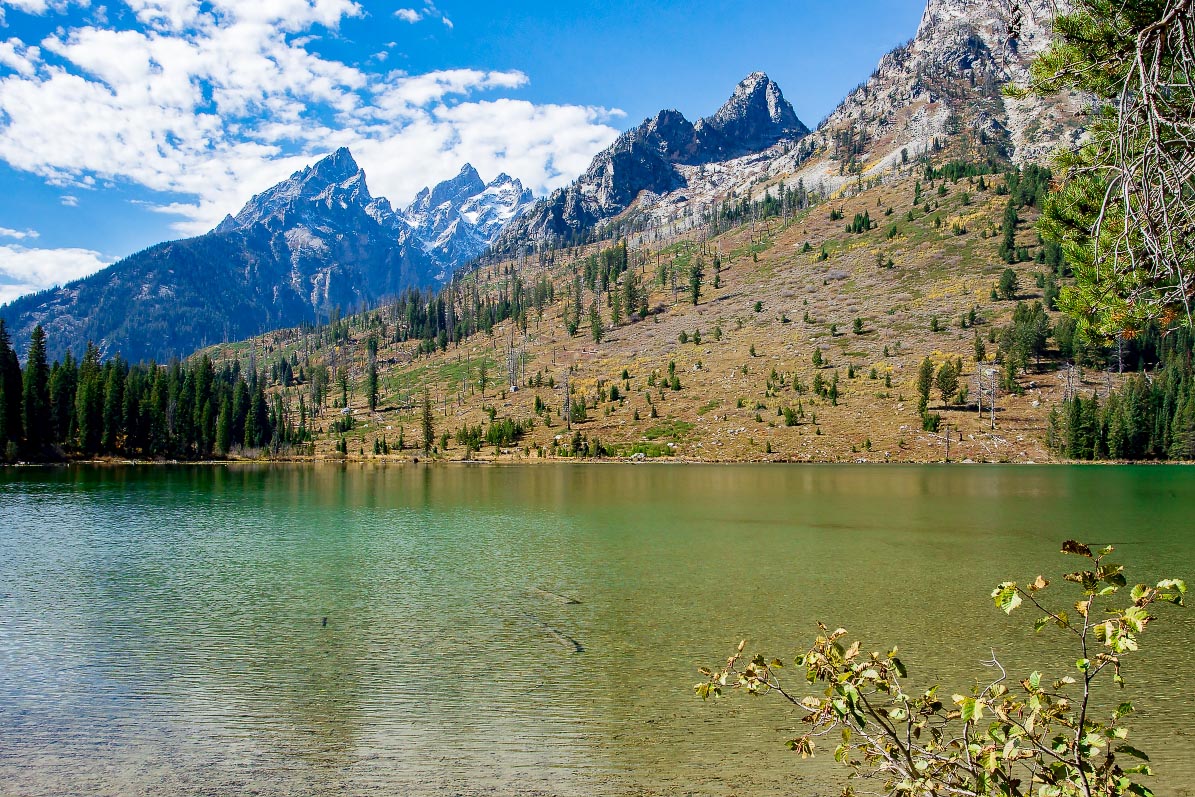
162,629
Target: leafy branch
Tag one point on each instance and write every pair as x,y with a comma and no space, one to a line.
1008,739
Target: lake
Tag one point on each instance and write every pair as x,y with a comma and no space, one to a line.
455,630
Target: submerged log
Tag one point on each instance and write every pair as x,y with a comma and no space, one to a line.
570,644
555,596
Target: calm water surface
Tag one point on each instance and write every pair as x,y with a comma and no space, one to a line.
162,629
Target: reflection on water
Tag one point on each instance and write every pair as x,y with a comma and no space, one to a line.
329,630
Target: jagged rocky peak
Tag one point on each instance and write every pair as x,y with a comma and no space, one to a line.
335,168
754,118
458,218
456,191
335,180
668,132
947,81
653,157
997,21
995,37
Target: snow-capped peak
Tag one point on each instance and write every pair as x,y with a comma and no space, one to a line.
334,181
457,219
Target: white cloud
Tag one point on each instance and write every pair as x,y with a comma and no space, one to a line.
24,270
69,200
42,6
210,102
545,146
429,11
15,55
20,235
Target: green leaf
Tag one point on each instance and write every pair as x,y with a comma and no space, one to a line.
1140,791
972,709
1006,596
1133,751
1135,618
900,668
1040,624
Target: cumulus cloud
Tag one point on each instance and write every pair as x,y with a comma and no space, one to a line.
210,102
20,235
24,270
429,11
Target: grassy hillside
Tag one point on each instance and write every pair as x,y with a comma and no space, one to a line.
731,378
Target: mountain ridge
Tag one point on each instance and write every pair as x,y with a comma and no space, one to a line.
313,242
647,158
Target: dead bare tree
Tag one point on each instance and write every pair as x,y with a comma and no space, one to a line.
1139,164
1155,162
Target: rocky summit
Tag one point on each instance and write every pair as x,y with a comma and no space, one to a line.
650,157
458,219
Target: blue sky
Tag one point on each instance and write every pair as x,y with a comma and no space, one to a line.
128,122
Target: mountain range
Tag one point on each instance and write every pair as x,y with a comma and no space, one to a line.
293,254
651,158
320,240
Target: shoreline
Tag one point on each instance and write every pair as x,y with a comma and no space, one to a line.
119,462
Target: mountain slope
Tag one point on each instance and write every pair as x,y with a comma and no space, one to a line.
650,158
944,83
940,92
316,241
790,353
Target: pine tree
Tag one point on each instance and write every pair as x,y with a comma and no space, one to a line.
947,382
371,383
630,292
10,396
113,404
1009,284
925,381
35,392
427,424
595,322
1182,436
696,277
89,403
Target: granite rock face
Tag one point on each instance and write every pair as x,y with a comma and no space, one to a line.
650,157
